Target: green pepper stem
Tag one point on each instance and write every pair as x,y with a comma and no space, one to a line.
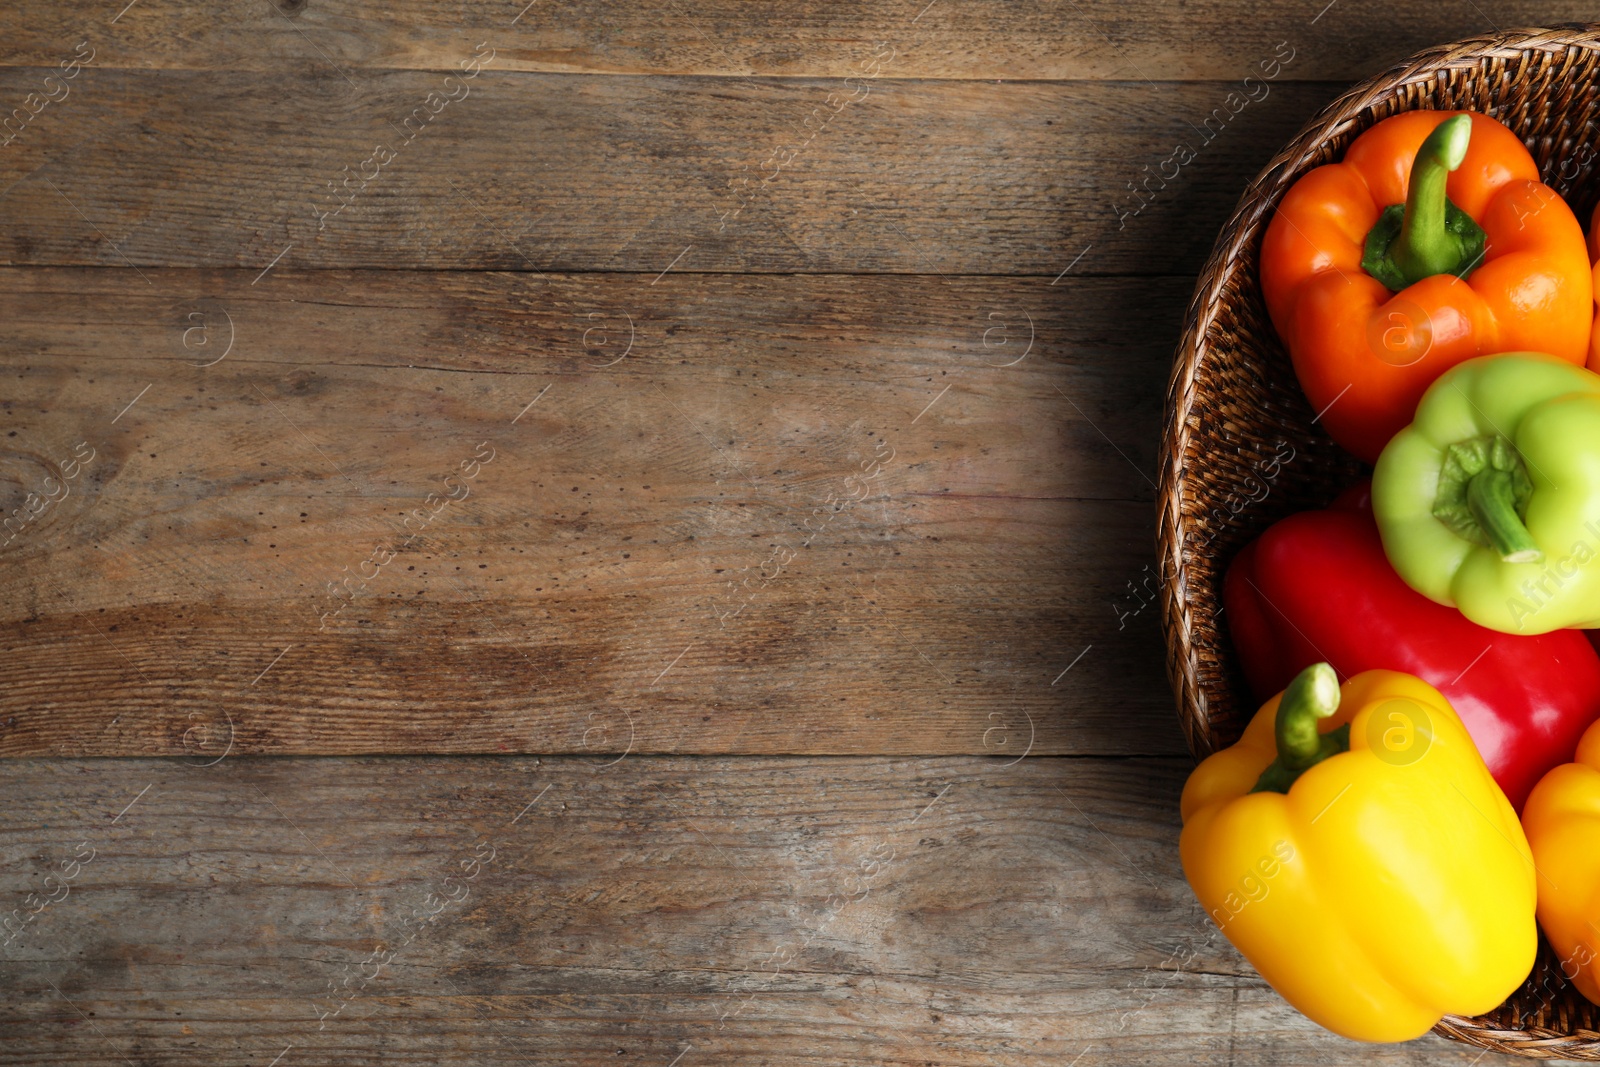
1424,246
1490,498
1310,698
1427,235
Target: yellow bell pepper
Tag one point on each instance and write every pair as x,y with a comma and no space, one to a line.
1562,820
1355,849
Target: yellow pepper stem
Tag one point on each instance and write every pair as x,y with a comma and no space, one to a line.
1310,698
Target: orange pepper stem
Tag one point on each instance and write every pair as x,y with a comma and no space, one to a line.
1425,247
1428,234
1311,697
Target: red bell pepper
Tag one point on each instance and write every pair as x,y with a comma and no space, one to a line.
1317,587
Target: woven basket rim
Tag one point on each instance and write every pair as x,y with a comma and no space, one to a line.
1353,110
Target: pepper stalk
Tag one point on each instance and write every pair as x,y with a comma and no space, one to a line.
1483,494
1310,698
1428,234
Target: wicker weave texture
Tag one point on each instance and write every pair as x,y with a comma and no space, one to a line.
1241,449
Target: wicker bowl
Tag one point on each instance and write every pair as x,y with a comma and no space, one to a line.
1240,448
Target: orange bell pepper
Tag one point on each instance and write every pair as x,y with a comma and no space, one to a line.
1562,822
1594,257
1432,243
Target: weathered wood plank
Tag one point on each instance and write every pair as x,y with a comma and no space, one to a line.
722,911
554,172
983,597
799,514
1030,40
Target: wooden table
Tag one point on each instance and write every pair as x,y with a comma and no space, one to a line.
608,533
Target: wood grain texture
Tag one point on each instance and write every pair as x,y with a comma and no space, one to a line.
957,912
742,514
683,282
557,172
959,39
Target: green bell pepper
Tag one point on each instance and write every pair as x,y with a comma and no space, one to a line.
1490,500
